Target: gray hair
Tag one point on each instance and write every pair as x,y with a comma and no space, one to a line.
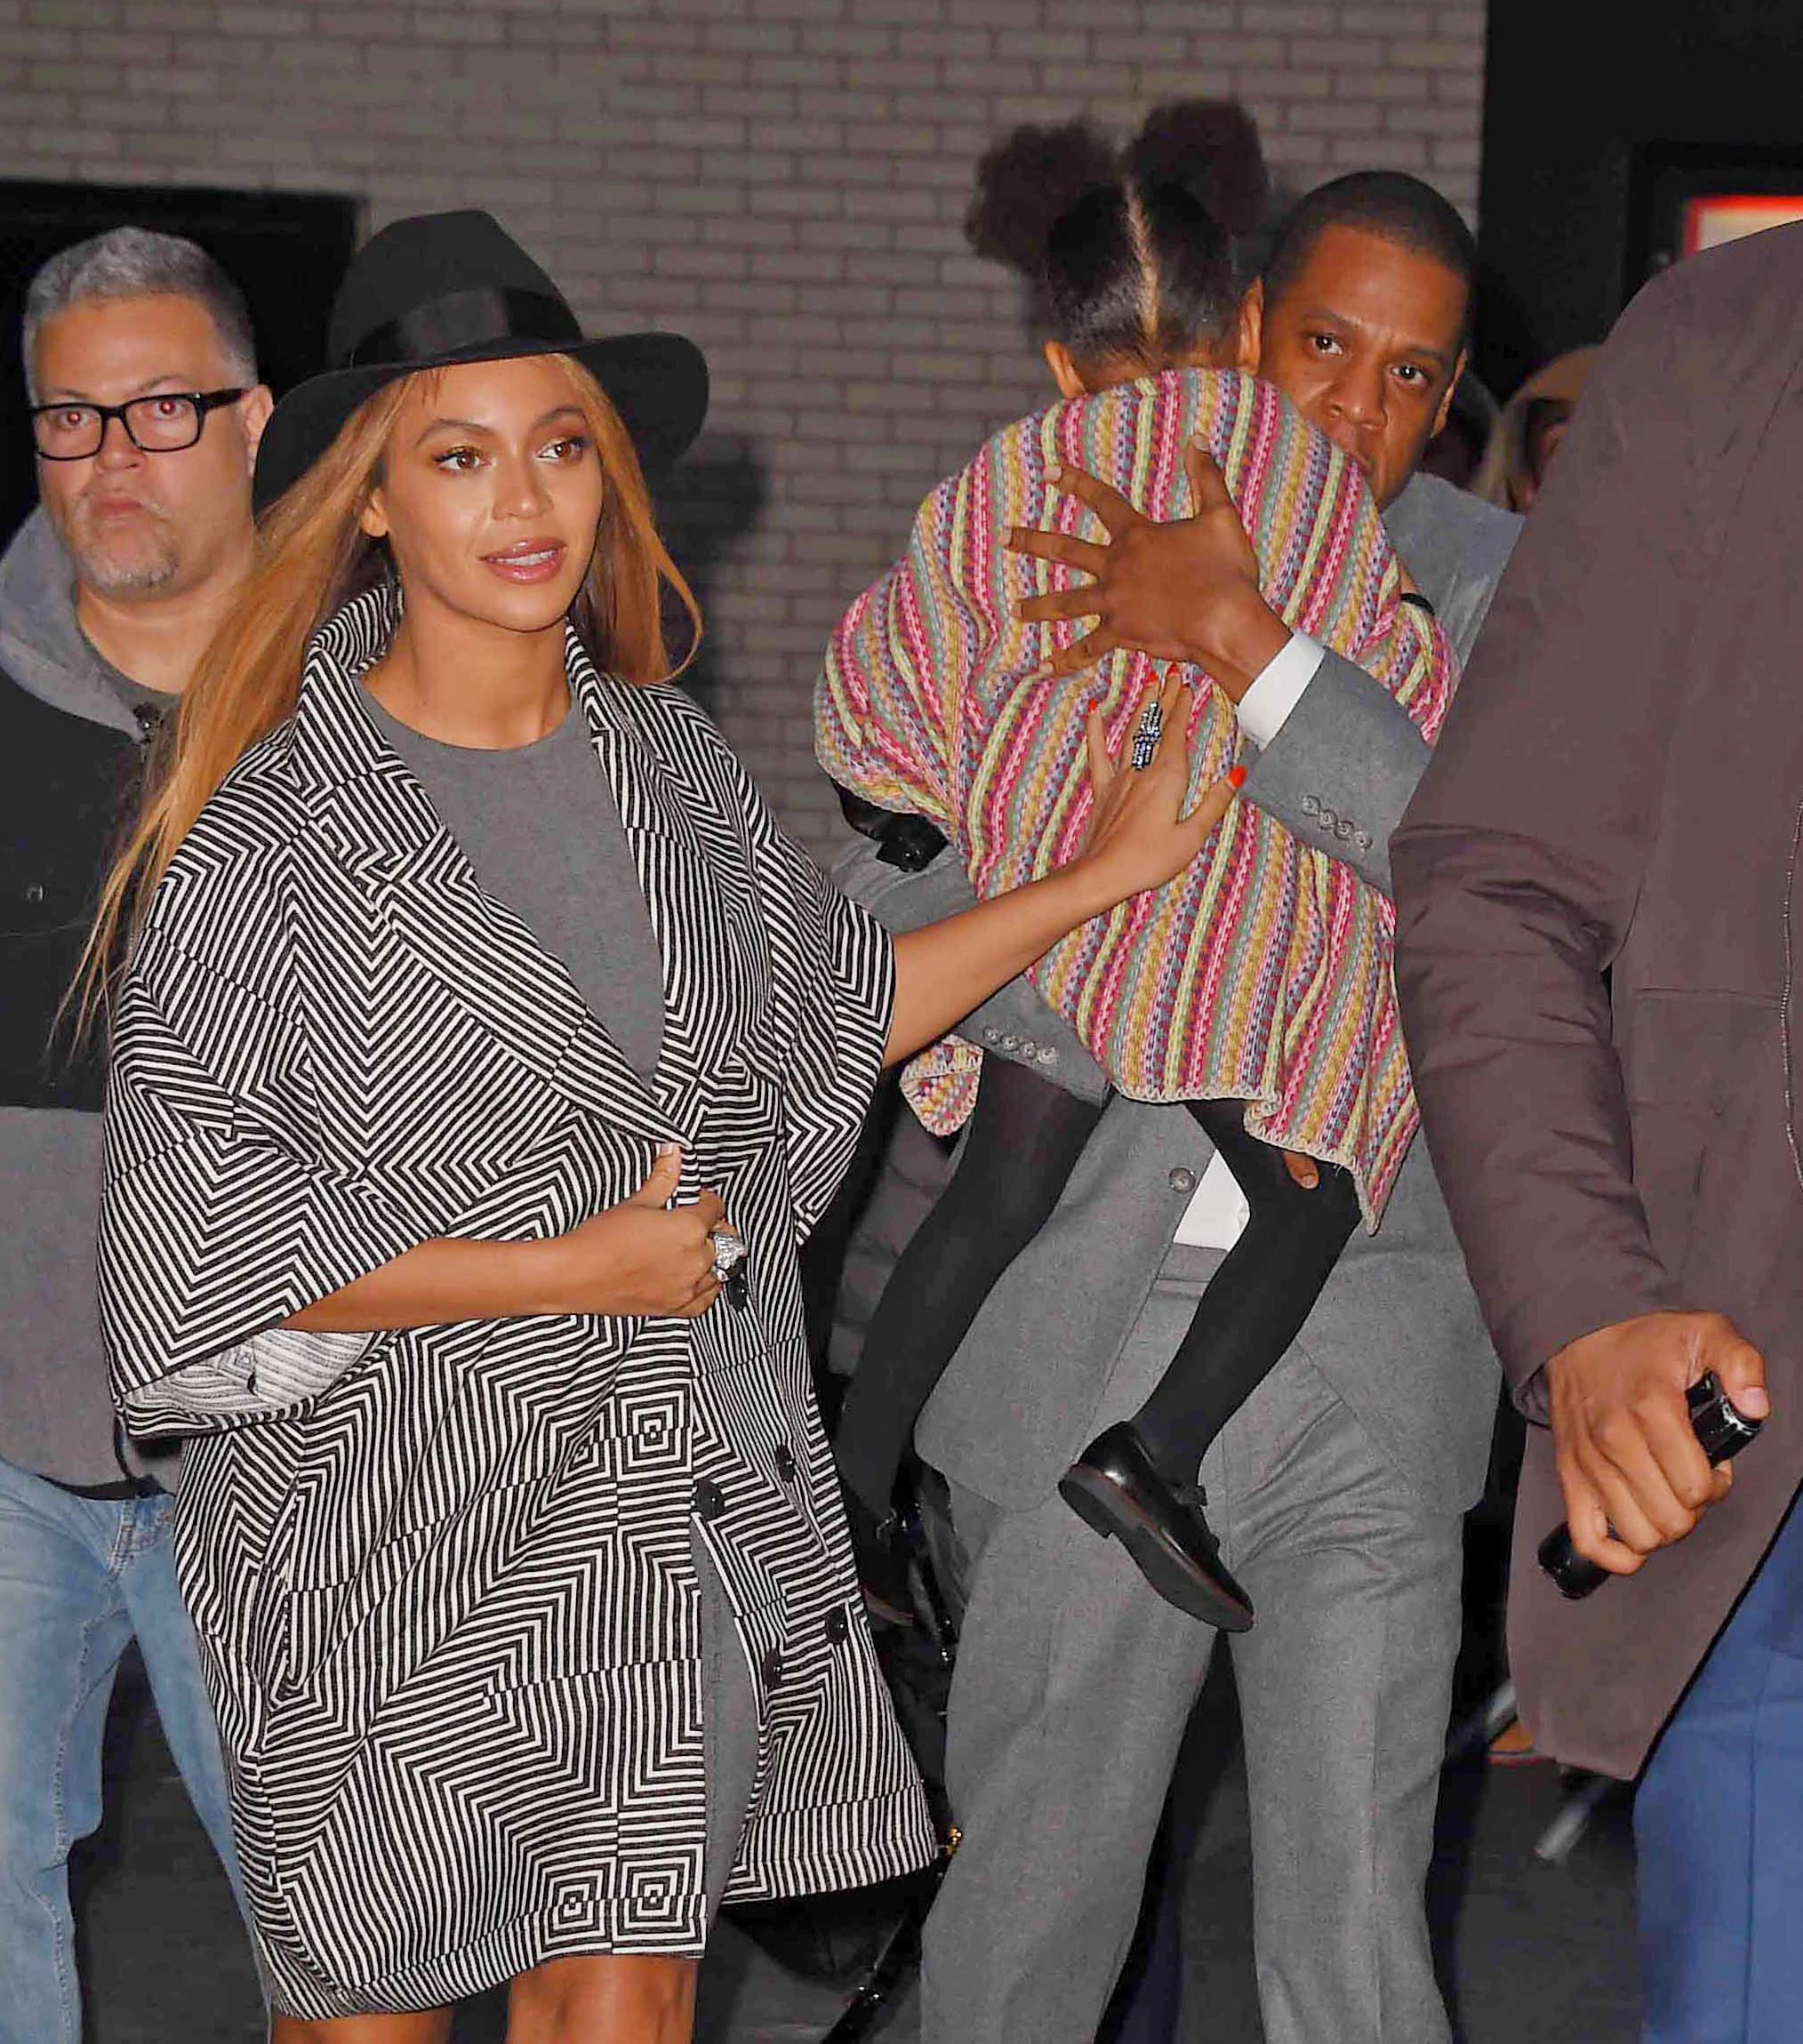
133,262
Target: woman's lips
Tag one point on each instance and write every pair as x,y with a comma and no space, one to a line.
533,561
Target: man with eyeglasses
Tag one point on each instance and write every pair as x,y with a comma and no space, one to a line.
145,411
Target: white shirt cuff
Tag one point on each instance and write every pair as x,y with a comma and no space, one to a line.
1279,688
1216,1217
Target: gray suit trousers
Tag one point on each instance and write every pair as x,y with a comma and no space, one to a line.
1074,1684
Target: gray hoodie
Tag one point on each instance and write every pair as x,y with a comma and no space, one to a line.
56,1415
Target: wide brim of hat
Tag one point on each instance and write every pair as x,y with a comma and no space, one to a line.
657,383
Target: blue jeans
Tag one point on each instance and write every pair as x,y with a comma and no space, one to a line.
1718,1822
79,1578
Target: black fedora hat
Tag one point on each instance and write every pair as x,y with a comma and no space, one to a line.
449,287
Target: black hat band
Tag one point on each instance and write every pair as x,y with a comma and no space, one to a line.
461,319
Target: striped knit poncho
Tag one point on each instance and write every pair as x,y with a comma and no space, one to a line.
1264,972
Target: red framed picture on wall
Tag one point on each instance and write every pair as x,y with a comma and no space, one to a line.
1712,218
1684,197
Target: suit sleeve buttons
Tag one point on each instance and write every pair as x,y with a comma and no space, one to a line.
838,1626
786,1466
709,1499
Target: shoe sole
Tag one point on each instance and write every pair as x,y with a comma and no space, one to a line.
1106,1509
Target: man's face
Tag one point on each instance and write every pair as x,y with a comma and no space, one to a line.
1364,341
140,524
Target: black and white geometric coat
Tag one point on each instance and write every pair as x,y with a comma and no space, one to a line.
448,1604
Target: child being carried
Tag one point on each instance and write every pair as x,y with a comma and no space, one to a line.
1257,986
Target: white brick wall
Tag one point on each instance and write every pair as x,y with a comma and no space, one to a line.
783,179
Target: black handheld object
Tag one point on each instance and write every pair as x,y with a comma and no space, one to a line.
1722,1430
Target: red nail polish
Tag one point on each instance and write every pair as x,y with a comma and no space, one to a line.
1236,777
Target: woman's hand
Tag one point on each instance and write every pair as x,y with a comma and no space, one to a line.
642,1256
1139,837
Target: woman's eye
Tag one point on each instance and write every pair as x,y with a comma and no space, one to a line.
571,448
1322,343
459,459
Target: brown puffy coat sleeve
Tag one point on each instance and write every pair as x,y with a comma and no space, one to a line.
1522,855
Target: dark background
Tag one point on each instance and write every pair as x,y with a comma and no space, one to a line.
1597,115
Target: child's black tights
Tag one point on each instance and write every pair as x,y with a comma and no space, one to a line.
1023,1142
1256,1302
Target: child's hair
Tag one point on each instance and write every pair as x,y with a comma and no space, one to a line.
1129,250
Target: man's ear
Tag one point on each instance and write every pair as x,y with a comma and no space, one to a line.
373,517
254,415
1445,410
1250,344
1065,373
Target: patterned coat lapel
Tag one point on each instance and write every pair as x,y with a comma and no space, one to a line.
691,865
377,821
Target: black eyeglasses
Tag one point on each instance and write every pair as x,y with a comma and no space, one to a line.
163,423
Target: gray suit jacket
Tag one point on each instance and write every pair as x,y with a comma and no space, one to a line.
1397,1330
1339,773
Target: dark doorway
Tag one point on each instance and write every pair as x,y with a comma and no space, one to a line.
285,252
1598,123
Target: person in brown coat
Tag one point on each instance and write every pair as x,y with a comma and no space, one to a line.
1595,886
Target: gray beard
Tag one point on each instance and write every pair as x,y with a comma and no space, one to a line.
137,570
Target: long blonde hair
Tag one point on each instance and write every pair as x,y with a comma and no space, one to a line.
311,557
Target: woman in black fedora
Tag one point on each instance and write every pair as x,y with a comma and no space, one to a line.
484,1053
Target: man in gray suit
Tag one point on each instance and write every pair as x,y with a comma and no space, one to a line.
1338,1490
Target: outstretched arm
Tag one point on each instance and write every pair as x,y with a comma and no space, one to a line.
1015,1023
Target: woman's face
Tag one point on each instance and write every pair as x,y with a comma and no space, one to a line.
491,493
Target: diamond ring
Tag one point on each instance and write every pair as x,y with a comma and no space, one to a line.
729,1251
1146,738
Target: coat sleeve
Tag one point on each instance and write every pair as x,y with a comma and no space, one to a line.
1520,859
1348,752
217,1218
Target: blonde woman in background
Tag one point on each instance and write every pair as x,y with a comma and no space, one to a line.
1527,433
